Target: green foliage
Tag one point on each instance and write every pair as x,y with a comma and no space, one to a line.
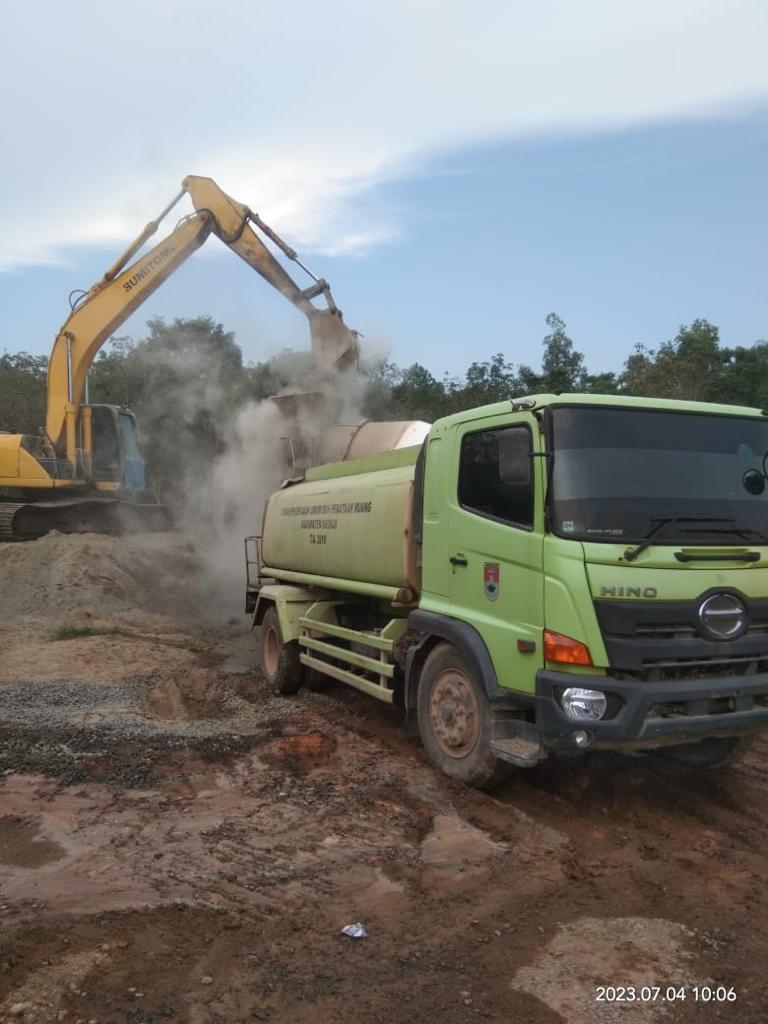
414,393
483,384
115,377
394,394
742,377
417,395
192,380
381,376
184,381
75,632
22,393
601,383
694,366
686,368
562,367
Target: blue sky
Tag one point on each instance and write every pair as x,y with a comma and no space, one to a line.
624,189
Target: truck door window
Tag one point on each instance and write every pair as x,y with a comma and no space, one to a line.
482,485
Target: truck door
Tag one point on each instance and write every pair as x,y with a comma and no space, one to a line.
495,548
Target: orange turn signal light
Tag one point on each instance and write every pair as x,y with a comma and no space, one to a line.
562,648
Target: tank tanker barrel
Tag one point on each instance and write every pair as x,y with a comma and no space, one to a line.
354,527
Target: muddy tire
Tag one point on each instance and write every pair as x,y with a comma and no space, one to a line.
715,752
279,661
455,722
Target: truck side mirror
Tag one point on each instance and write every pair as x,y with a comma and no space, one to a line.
515,457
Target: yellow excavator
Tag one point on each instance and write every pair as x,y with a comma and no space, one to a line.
86,472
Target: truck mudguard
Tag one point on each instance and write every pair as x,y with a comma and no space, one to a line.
291,603
468,643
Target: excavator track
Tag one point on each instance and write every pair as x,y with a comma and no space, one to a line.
29,520
8,512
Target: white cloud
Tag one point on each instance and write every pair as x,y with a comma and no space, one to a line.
301,109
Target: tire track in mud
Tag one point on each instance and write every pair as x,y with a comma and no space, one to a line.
321,821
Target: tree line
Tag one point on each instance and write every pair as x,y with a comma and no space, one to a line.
185,381
693,365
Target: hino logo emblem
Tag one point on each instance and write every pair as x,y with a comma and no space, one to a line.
646,592
722,616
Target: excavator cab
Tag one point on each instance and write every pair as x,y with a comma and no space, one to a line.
116,457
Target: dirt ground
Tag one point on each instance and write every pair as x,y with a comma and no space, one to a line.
178,845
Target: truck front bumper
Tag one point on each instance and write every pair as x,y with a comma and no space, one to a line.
642,714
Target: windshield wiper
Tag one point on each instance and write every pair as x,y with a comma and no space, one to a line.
631,553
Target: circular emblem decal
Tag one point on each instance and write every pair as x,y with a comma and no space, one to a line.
723,616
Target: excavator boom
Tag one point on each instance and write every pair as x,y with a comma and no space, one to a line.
110,302
334,345
98,316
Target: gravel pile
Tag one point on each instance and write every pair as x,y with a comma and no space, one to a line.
206,703
106,665
77,731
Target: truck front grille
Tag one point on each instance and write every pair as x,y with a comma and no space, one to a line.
676,630
658,640
698,668
708,706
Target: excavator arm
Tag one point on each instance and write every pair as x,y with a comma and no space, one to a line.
101,311
334,345
109,302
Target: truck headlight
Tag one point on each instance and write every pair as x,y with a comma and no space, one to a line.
582,705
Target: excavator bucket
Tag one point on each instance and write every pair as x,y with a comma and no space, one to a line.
334,345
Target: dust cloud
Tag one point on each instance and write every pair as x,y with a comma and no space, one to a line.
215,454
265,443
231,507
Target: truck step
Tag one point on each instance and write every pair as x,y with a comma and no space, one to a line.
524,753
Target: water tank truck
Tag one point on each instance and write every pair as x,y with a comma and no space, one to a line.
556,573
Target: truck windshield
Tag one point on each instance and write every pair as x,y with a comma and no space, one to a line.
618,472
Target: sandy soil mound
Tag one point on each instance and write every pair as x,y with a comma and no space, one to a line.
94,659
61,576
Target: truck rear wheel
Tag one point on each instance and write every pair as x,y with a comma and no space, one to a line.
279,661
455,721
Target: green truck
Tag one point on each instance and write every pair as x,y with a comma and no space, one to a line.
554,573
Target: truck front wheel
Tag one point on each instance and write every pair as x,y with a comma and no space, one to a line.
279,661
455,721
